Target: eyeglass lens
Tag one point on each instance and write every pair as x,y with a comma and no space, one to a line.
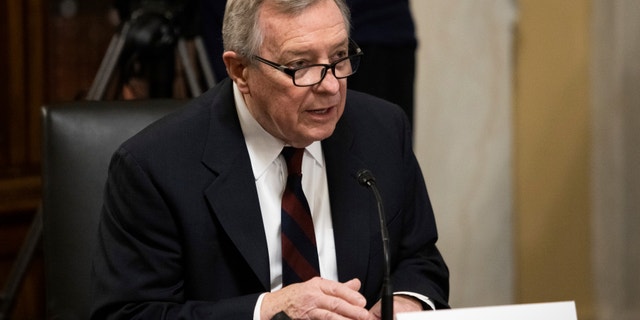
314,74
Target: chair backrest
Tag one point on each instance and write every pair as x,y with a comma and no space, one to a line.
79,139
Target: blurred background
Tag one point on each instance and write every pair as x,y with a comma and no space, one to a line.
527,126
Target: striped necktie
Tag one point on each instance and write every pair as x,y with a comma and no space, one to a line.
299,249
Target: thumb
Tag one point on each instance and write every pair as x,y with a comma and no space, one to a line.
376,310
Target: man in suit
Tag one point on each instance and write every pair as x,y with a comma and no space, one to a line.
191,220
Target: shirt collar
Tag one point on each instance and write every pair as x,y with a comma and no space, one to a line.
262,146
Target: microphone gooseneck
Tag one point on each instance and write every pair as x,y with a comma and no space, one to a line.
366,178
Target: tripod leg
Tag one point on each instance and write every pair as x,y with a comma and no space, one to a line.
96,92
204,62
21,265
188,68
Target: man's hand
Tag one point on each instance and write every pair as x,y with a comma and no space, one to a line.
401,303
317,299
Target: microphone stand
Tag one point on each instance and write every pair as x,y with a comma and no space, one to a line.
365,178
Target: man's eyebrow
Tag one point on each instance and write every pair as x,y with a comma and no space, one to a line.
305,52
295,53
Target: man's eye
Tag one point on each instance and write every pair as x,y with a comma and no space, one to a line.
340,55
298,64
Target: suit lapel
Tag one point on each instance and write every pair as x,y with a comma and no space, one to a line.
351,205
232,195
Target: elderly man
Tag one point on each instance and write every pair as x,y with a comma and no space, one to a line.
206,217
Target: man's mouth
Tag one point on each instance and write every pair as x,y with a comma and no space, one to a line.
320,111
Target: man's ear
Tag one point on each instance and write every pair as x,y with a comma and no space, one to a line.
237,69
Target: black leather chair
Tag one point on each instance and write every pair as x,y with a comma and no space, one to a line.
79,138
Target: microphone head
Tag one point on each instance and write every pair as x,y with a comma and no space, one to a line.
365,178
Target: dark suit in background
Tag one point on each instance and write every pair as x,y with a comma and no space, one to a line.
385,31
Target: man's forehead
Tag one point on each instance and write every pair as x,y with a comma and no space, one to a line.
318,16
298,38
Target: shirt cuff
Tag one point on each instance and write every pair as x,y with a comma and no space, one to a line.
256,310
424,299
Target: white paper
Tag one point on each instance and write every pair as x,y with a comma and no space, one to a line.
565,310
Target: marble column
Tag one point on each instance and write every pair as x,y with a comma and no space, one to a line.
463,140
616,158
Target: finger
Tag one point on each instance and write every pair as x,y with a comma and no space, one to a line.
335,308
354,284
318,299
347,291
376,310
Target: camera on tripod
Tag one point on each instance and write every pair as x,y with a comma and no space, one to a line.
144,49
157,24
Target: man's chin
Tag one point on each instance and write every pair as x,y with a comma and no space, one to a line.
316,135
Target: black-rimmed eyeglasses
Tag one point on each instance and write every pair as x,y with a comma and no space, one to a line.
313,74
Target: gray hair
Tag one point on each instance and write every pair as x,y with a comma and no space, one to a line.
240,28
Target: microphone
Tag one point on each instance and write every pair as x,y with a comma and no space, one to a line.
366,178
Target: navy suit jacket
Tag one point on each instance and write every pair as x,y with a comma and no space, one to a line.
181,233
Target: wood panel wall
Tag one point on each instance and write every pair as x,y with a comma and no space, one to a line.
45,57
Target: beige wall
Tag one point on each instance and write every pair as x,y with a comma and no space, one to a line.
552,153
503,132
527,129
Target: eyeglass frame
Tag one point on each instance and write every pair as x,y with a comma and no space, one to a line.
292,71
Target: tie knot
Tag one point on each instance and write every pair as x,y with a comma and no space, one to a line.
293,157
